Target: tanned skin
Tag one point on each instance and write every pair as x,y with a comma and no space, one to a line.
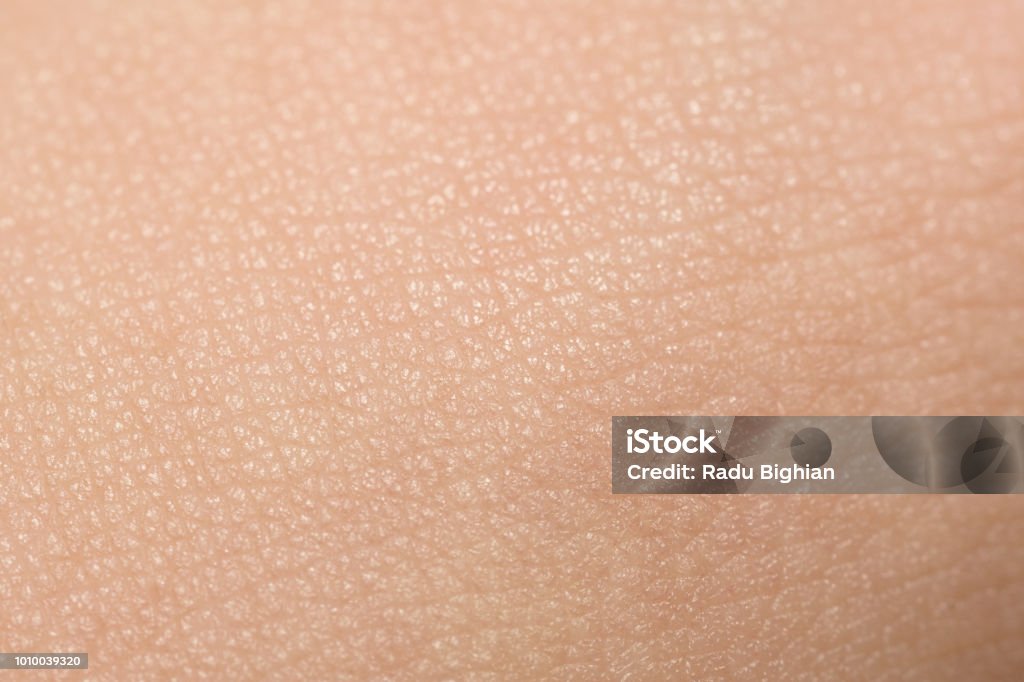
314,315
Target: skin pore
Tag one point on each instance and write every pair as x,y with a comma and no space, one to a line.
313,317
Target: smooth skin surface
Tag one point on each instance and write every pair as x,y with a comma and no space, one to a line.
313,317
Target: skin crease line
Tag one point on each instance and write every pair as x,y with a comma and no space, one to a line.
313,317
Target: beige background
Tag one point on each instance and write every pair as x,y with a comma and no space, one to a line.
313,317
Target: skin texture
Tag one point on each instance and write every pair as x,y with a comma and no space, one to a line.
313,318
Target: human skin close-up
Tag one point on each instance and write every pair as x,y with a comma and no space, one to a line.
314,316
